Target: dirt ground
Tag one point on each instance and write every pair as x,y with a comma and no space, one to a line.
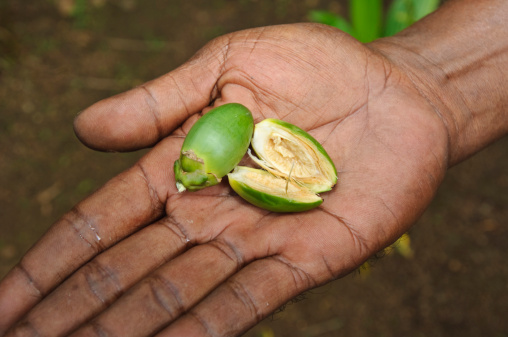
59,56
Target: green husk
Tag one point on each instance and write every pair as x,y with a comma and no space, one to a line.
288,197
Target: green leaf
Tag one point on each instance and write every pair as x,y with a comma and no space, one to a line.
403,13
399,16
330,19
366,19
423,8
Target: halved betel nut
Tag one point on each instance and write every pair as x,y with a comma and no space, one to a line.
297,168
276,194
284,149
213,147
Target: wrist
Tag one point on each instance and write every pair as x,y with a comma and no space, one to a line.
457,59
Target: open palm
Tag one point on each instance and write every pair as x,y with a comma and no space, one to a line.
208,263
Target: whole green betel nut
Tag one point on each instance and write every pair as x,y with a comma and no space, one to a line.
213,147
296,168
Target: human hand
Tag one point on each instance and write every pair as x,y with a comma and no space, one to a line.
137,257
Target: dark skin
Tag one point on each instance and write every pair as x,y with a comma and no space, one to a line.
137,258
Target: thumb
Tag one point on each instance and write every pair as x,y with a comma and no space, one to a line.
142,116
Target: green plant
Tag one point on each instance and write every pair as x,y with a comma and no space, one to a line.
366,17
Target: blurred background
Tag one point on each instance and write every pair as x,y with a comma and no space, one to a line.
59,56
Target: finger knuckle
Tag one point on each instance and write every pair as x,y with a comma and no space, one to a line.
166,296
102,281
